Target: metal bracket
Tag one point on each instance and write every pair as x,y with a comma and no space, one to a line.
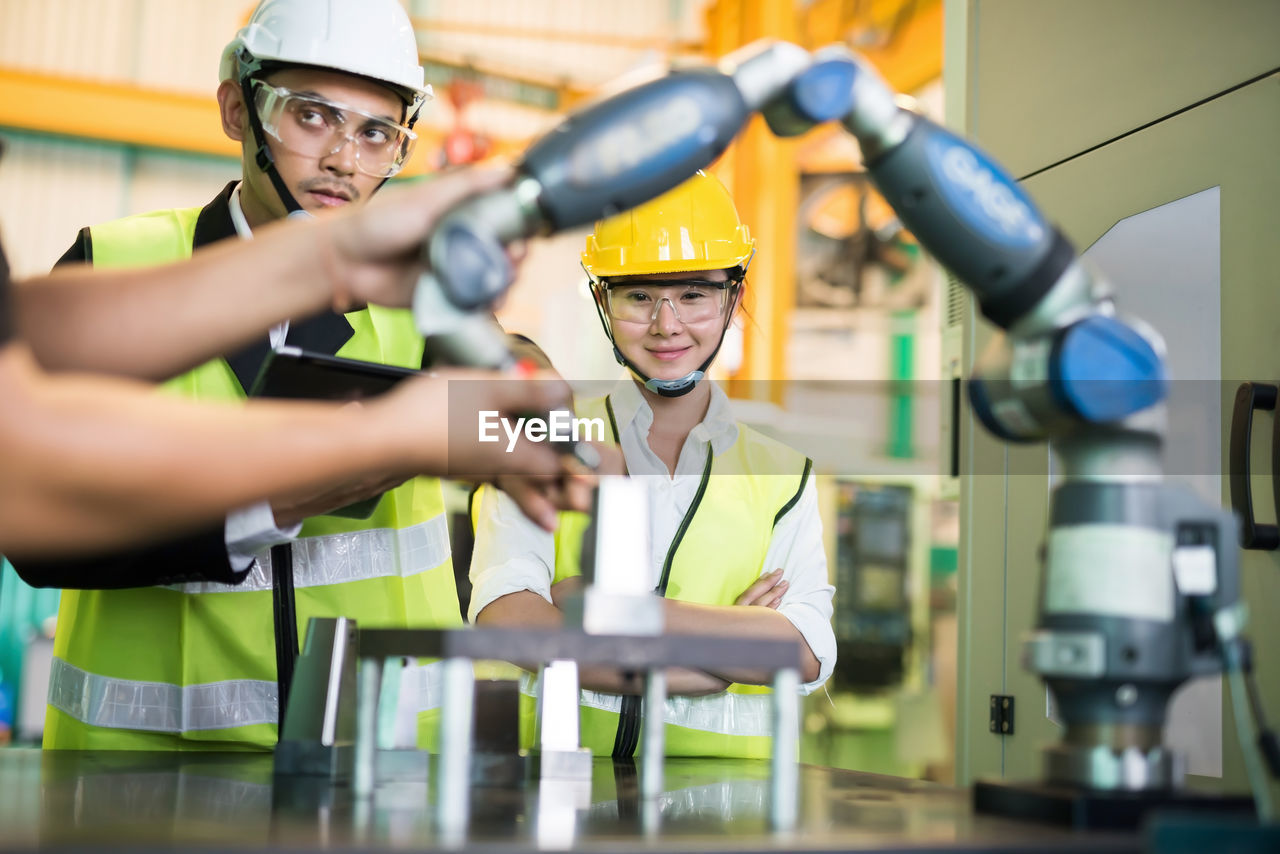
1001,722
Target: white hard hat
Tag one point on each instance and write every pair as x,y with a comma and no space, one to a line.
371,38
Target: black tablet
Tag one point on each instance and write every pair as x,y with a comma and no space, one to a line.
291,372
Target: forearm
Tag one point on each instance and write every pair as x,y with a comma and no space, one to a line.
526,609
157,322
114,463
691,618
199,556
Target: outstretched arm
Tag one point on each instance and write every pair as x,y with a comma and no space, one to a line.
158,322
116,463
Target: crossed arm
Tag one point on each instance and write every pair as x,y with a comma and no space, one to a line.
754,615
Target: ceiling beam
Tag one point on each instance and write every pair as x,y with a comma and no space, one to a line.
127,114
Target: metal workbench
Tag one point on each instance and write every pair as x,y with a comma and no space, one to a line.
132,801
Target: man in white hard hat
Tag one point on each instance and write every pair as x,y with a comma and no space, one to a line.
322,95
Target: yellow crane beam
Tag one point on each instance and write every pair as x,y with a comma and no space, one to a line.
112,112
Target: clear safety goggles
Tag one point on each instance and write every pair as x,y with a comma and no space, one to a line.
691,300
314,127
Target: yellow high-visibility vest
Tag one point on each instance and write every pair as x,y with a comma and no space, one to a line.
718,552
193,666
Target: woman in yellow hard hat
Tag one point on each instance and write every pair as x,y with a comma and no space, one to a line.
736,539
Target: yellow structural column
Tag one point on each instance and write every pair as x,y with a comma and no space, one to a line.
760,170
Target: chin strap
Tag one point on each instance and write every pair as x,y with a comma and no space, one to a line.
248,68
665,388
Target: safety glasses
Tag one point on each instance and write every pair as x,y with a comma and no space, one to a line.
692,300
315,127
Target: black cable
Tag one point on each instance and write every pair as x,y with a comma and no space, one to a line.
1268,743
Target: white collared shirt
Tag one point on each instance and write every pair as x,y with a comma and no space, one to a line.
251,529
513,554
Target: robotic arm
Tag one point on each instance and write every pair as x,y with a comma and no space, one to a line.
1136,572
1140,580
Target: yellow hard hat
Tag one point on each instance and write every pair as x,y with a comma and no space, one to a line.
693,227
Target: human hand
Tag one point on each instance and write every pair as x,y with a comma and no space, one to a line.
541,498
435,425
373,251
767,591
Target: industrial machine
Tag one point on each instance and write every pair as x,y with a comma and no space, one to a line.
872,601
1140,578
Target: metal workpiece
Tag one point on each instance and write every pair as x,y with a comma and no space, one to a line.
560,755
650,655
653,744
560,799
784,762
621,549
368,694
457,710
319,734
624,651
599,611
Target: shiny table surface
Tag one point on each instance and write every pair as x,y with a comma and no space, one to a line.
134,800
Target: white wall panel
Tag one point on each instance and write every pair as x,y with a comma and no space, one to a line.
164,44
159,180
75,38
49,189
182,41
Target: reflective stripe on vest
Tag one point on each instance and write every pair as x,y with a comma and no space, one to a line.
339,558
160,707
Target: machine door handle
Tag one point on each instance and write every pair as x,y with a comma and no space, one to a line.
1250,396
